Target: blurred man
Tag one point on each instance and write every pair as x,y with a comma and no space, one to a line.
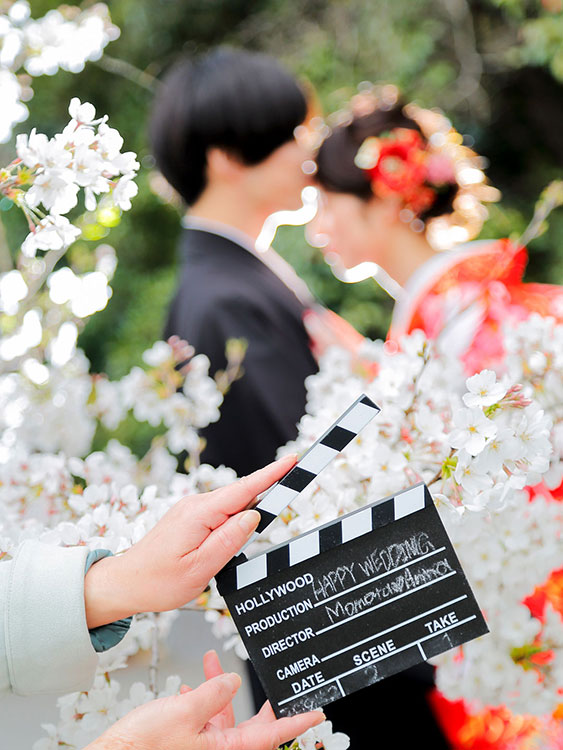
223,136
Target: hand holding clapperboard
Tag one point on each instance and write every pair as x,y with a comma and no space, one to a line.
351,602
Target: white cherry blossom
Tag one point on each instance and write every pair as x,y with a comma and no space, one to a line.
473,430
12,110
159,353
13,289
87,156
109,144
504,447
126,163
19,11
467,473
64,38
125,190
31,149
55,189
322,735
87,168
483,389
82,114
51,233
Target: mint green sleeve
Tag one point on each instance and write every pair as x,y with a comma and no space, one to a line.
45,646
106,636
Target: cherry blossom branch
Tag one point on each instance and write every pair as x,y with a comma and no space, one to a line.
6,263
465,46
440,473
426,359
34,285
550,199
128,71
235,351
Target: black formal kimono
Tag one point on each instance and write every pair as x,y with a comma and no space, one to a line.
225,291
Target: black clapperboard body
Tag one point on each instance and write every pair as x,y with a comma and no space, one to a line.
351,602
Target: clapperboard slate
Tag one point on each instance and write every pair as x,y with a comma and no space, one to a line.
351,602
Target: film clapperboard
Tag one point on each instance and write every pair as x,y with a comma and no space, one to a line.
351,602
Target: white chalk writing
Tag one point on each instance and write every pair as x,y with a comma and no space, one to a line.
334,581
405,581
395,554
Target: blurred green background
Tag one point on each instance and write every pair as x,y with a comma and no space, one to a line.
494,66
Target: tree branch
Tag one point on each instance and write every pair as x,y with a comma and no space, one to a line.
550,199
470,62
129,71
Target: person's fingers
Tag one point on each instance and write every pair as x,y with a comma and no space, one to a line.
344,330
224,543
264,716
185,689
272,734
326,328
323,333
212,668
211,665
201,514
236,497
210,698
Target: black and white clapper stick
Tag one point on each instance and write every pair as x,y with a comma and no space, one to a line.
319,455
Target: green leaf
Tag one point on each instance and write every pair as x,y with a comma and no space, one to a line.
490,410
449,466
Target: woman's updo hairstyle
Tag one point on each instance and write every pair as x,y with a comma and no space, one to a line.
336,167
376,115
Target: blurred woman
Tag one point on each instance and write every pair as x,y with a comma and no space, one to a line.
400,189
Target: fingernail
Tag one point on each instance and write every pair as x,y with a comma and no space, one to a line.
234,681
249,520
283,459
292,456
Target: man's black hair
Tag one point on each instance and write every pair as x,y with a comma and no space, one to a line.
244,102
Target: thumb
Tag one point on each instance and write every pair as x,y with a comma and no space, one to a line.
210,698
225,541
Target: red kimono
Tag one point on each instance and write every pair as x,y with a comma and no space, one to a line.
465,296
462,299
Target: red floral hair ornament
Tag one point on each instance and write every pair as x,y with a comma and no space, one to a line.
398,164
418,165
